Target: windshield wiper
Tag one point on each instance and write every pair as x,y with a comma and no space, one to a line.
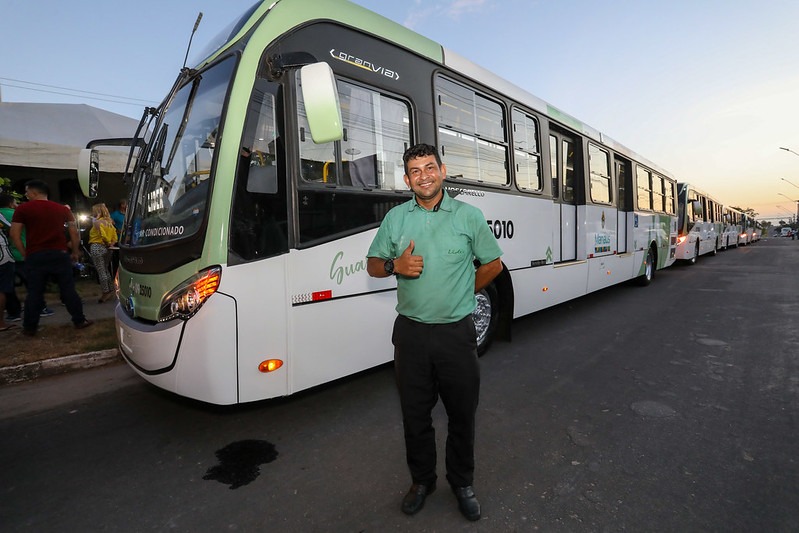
137,141
184,120
157,153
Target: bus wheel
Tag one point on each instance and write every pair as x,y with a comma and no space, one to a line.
649,270
692,261
486,317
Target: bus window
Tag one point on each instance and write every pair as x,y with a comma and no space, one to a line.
471,134
259,217
568,172
553,165
525,151
644,188
694,209
171,202
658,194
599,165
376,134
670,197
338,190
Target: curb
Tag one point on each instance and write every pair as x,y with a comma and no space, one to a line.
58,365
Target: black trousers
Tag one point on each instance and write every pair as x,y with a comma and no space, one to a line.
38,267
432,361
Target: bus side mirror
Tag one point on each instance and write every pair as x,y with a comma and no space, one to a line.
89,172
320,96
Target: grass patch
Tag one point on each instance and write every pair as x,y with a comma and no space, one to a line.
57,340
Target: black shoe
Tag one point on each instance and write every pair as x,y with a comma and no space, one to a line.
413,502
467,502
84,324
29,332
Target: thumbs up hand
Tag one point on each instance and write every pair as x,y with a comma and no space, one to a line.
409,265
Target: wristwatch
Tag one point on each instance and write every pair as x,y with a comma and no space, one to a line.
389,267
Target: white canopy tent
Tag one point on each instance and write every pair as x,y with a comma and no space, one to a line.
50,136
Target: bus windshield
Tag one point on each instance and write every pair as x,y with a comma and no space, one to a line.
171,199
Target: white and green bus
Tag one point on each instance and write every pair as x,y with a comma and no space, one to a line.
750,231
733,227
260,181
700,225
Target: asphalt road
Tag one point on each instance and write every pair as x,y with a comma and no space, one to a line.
667,408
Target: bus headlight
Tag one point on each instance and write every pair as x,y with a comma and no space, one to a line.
187,298
681,239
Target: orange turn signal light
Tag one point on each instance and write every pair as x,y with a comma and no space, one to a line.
270,365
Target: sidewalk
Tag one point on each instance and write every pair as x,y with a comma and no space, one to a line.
61,365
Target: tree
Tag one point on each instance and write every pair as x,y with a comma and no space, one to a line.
5,187
748,211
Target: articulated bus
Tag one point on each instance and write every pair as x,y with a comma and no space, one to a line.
699,224
260,181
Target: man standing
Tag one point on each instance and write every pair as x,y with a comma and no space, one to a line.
13,306
430,244
46,253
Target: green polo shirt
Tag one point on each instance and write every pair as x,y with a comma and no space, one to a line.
448,239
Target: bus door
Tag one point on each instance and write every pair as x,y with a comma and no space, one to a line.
624,186
562,151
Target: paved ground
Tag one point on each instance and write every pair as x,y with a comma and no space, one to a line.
673,408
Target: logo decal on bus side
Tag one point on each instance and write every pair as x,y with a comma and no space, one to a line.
363,63
338,272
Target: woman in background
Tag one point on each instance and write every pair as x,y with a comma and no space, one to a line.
102,236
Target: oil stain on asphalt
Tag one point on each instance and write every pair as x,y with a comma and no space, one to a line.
239,462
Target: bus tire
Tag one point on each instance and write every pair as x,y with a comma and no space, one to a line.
649,270
692,261
486,317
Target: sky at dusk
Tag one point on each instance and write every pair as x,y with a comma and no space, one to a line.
706,89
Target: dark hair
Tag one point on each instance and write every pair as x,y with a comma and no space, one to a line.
5,200
38,185
420,150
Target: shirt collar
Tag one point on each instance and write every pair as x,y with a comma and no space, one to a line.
445,204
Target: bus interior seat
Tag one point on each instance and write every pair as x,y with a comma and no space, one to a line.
262,179
363,172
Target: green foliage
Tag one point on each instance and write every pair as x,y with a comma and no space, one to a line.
748,211
5,187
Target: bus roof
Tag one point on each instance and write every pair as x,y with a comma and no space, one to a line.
285,15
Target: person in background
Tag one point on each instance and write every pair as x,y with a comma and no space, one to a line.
118,216
47,253
6,272
13,306
430,244
102,236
